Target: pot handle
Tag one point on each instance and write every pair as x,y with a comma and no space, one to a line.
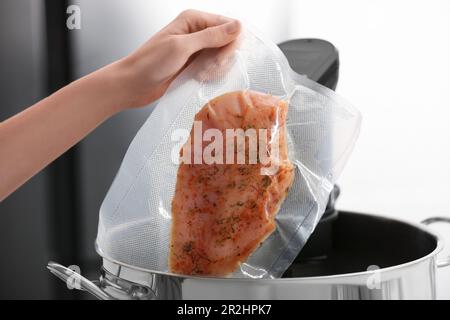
445,261
75,280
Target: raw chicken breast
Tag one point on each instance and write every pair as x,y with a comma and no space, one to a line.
221,213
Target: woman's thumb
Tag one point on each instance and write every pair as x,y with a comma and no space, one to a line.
215,37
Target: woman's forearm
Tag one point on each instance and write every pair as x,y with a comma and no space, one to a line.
35,137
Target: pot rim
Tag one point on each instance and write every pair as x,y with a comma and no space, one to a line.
422,227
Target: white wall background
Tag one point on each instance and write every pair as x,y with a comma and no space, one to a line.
395,67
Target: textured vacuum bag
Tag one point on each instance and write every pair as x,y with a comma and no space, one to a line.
321,130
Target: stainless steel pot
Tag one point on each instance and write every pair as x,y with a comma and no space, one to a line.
372,258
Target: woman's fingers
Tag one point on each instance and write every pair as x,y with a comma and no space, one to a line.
197,30
194,21
214,37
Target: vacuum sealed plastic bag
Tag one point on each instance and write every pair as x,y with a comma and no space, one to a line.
248,218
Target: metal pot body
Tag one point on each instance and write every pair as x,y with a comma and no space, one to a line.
412,282
373,258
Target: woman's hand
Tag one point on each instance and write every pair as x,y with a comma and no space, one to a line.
149,70
32,139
